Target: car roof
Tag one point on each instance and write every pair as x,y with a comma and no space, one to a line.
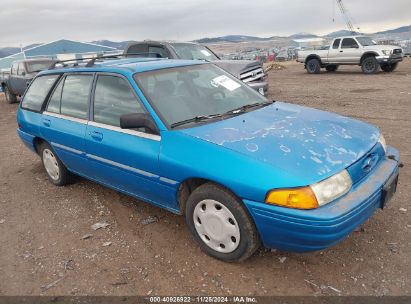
126,65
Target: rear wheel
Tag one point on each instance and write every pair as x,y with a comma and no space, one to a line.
331,68
370,65
389,67
57,173
220,224
10,97
313,66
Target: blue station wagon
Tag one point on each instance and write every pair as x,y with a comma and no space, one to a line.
190,138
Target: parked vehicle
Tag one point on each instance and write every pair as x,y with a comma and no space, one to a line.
249,71
4,76
407,50
15,83
352,50
191,138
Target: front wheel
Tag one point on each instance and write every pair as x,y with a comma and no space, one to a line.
10,97
313,66
388,68
370,65
57,173
220,224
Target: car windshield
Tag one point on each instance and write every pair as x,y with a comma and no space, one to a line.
191,51
37,66
196,91
366,41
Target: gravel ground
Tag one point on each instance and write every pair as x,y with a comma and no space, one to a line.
41,226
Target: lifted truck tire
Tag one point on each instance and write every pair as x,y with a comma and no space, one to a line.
331,68
313,66
388,68
370,65
10,97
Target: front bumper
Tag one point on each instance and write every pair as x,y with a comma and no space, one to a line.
259,85
389,59
310,230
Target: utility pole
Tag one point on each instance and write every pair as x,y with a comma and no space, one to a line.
347,18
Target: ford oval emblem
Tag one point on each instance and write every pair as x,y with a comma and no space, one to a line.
369,162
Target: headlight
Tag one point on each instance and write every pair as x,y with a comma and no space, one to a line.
332,187
313,196
387,52
382,142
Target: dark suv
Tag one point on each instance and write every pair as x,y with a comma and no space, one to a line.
249,71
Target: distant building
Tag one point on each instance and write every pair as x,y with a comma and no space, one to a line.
61,49
310,42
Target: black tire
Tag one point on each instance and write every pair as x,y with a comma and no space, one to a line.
388,68
216,196
313,66
63,177
10,97
370,65
331,68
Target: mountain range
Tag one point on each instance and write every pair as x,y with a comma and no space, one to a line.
242,38
404,32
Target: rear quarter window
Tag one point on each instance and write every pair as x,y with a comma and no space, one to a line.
37,92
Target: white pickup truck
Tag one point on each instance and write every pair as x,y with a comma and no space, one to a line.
352,50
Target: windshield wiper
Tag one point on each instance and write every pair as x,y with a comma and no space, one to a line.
231,112
194,119
249,106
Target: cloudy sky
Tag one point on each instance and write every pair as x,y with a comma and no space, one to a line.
33,21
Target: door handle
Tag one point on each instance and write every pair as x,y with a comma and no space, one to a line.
96,135
46,122
341,51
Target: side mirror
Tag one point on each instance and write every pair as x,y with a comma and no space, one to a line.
138,120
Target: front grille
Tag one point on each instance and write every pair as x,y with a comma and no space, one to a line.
397,51
366,164
252,75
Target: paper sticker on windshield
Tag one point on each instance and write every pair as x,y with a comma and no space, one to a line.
225,82
206,53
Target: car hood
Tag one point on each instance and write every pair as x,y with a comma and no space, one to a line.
381,47
308,143
237,67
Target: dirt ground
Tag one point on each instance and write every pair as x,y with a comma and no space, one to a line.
41,226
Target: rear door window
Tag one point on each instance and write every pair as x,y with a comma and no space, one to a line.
349,43
157,51
114,97
37,92
22,69
138,50
75,95
336,43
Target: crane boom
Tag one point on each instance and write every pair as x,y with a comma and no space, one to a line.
347,18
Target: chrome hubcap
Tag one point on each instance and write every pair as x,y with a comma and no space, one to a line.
216,226
51,164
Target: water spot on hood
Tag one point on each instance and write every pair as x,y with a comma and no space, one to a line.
316,159
251,147
285,149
